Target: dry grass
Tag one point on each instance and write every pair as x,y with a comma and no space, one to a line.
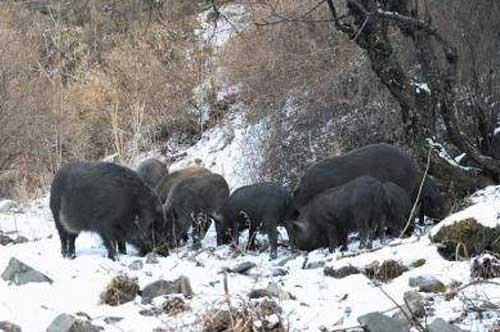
78,82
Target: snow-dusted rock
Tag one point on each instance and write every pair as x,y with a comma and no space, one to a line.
427,284
136,265
68,323
439,325
164,287
20,273
377,322
414,306
9,327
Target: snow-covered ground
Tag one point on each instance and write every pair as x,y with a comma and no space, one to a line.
319,301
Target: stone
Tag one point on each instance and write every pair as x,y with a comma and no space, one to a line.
427,284
272,290
164,287
151,312
342,272
68,323
279,272
418,263
120,290
136,265
20,273
7,206
21,239
9,327
112,319
152,258
377,322
314,265
439,325
5,240
414,307
242,268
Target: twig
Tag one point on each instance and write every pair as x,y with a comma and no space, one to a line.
417,199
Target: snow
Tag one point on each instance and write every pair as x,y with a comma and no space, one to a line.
321,301
486,213
232,149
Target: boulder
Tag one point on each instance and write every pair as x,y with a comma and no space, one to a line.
19,273
439,325
164,287
414,307
427,284
342,272
9,327
136,265
68,323
377,322
242,268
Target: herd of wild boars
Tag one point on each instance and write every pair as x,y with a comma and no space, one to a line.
370,191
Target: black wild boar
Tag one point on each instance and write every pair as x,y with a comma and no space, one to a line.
363,205
108,199
260,207
382,161
398,209
151,171
433,202
168,181
191,203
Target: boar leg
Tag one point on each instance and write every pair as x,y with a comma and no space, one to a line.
110,246
122,247
273,240
252,232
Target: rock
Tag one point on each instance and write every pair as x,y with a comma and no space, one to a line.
342,272
272,290
7,206
418,263
485,266
5,240
9,327
68,323
469,236
112,320
414,307
20,273
279,272
175,306
21,239
136,265
152,258
376,322
439,325
120,290
427,284
151,312
242,268
164,287
314,265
